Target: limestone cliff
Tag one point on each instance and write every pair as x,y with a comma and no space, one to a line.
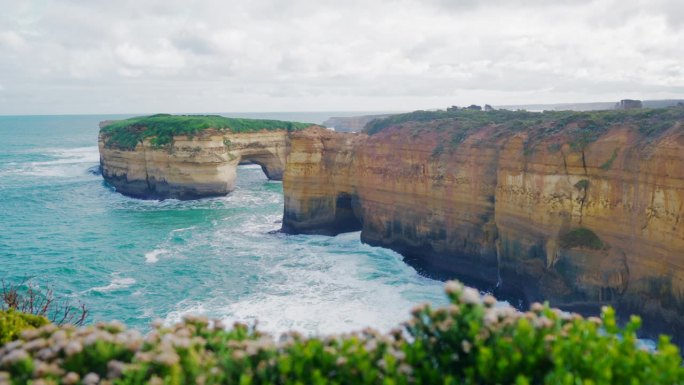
192,167
582,210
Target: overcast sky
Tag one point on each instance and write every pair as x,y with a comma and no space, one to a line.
138,56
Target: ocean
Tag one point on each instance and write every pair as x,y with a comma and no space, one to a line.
135,261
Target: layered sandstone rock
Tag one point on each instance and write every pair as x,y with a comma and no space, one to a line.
529,216
189,168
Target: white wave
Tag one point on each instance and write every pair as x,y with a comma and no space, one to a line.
183,229
319,293
242,198
177,315
153,256
74,155
254,225
117,283
252,166
318,315
166,248
68,162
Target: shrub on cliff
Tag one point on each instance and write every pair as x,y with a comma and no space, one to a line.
581,237
126,134
472,341
25,297
24,307
13,322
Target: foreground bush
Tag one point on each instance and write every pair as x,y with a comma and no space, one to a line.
25,297
13,322
472,341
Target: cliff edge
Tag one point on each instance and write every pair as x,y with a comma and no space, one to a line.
581,209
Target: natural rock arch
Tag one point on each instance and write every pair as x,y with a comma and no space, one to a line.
271,163
192,167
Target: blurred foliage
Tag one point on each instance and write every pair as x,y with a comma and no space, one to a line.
26,297
474,340
13,322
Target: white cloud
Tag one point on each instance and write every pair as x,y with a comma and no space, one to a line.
162,56
322,55
11,40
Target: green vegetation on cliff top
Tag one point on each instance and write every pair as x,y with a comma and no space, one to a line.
581,127
161,128
472,341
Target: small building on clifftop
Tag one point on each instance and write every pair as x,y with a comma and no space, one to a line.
628,104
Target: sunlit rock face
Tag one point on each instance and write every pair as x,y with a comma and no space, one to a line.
528,216
190,168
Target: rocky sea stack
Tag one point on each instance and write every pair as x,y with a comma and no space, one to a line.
189,157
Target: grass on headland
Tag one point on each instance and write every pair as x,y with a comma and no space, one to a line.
126,134
582,128
471,341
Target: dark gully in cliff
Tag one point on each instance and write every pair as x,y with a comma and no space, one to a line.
580,209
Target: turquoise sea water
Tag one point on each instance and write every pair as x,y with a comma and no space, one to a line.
136,261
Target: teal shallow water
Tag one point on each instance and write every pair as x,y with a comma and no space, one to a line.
135,260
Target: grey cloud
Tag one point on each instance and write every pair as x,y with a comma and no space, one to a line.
465,5
170,55
194,43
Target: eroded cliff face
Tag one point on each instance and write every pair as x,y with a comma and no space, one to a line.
531,217
189,168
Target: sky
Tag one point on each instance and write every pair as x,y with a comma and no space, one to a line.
148,56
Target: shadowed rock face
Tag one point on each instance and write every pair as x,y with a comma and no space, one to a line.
580,227
191,168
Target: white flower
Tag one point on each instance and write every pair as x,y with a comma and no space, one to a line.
371,345
14,356
35,344
73,348
453,287
489,300
115,369
46,354
168,358
91,379
471,296
71,378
